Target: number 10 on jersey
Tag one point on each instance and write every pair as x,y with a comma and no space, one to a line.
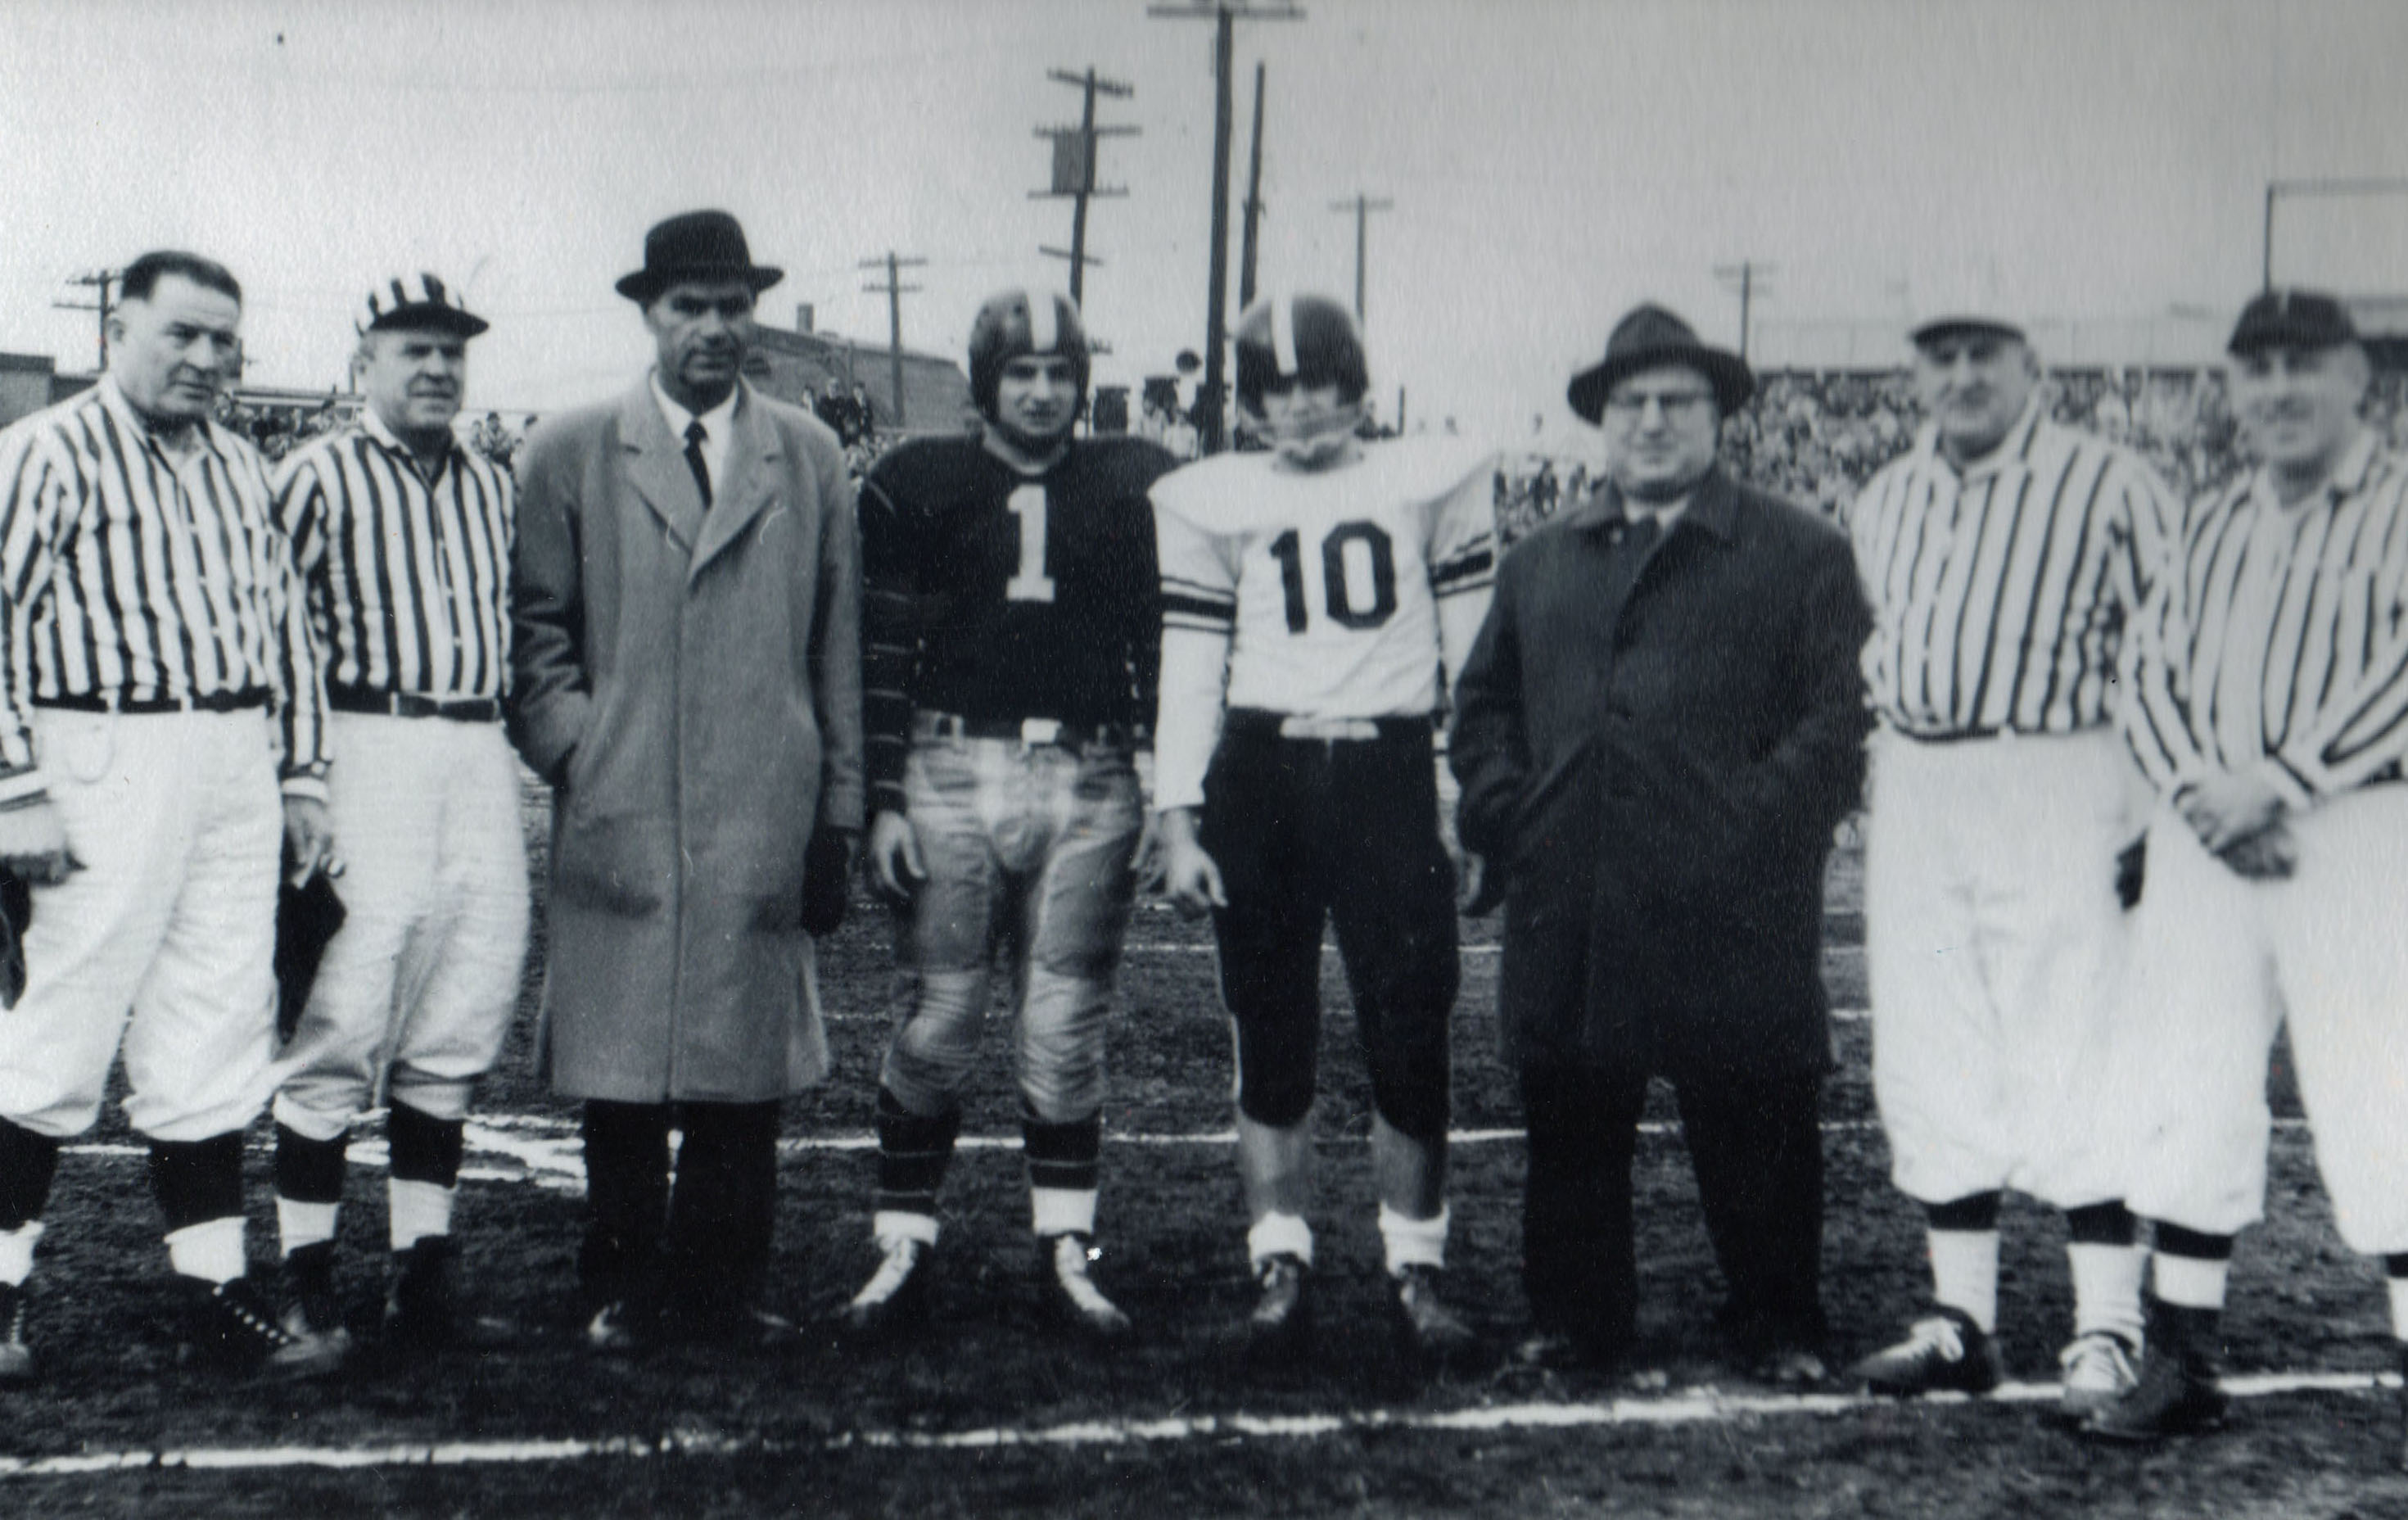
1372,549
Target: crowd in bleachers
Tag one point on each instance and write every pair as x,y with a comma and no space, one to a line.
1818,438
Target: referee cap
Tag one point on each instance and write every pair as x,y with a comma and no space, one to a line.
418,301
2291,319
1967,299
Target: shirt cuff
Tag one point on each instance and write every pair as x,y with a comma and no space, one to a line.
302,784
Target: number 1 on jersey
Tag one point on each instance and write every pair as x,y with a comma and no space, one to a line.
1030,583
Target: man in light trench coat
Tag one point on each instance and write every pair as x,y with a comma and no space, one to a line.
687,613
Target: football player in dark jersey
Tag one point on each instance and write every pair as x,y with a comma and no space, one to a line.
1012,627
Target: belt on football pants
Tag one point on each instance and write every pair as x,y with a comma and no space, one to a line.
235,701
411,705
1253,722
1031,732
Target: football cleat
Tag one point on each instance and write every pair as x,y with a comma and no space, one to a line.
422,1308
1944,1353
1426,1326
1069,1293
2097,1370
229,1326
1282,1321
16,1355
897,1295
2175,1393
312,1307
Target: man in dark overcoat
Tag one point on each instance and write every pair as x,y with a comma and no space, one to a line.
686,612
1658,729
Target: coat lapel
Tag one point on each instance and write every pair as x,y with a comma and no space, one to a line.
656,467
748,481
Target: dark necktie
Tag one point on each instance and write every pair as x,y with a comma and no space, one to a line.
694,434
1632,541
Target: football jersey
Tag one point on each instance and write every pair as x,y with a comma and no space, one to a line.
1323,594
995,595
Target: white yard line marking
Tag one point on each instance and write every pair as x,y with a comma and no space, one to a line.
1694,1406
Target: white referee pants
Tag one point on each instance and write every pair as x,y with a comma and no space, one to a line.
1993,943
164,943
2218,963
418,986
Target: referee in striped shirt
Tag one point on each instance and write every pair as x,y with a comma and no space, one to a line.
403,540
149,623
2270,674
2004,556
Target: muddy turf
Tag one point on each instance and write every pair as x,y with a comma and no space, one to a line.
988,1414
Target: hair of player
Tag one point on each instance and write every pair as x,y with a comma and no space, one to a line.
142,277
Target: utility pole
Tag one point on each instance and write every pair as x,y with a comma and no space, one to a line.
894,290
1074,168
100,280
1362,206
1744,276
1225,15
1254,201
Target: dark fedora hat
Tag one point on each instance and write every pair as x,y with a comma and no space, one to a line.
697,245
1647,337
2291,319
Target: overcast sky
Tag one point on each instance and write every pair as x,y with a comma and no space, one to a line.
1550,163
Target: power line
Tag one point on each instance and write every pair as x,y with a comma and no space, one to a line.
894,290
1362,206
99,281
1225,15
1074,168
1744,276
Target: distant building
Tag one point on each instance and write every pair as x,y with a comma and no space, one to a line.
24,384
785,364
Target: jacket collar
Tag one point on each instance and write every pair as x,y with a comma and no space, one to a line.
656,466
1713,508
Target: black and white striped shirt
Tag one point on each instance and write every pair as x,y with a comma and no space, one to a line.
2281,650
407,579
2001,596
130,574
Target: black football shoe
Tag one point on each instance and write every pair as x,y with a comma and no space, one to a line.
16,1353
1068,1292
231,1327
1944,1351
895,1298
1281,1326
1430,1332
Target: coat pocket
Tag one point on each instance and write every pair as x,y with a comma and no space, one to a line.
618,864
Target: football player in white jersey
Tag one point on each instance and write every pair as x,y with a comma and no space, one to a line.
1322,585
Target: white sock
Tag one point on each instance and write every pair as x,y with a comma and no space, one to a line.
1280,1235
902,1225
299,1223
2190,1283
417,1209
1062,1210
2107,1288
17,1253
2398,1286
211,1250
1413,1243
1965,1274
